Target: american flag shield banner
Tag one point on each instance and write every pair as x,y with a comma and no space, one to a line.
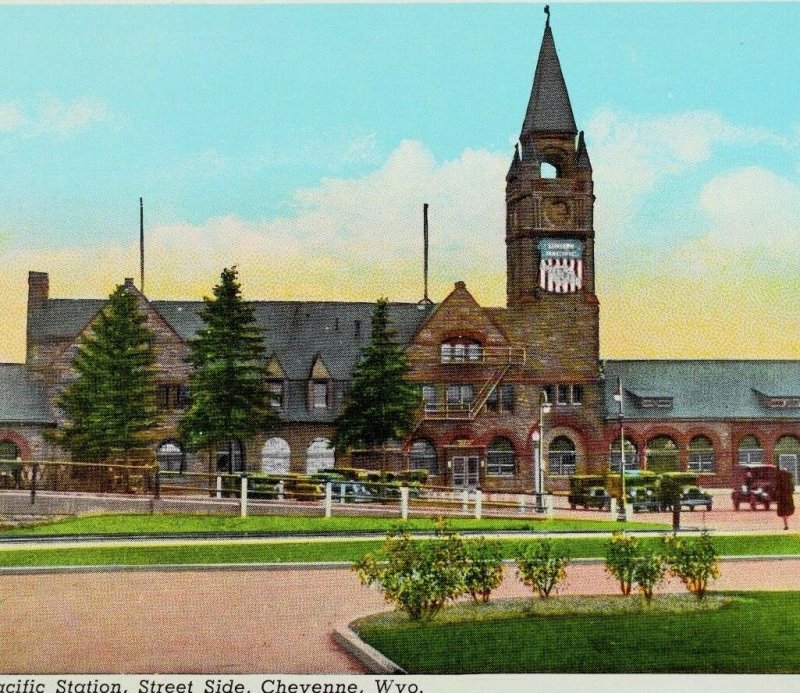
560,265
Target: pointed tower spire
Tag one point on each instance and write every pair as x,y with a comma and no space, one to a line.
512,171
583,155
549,109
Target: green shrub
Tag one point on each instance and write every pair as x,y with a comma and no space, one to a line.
621,556
694,561
542,566
649,572
482,562
418,577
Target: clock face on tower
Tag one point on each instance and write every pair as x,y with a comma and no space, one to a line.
557,211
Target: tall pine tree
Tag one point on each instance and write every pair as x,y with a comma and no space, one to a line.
110,406
381,404
228,386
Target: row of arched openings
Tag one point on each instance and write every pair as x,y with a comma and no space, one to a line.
662,453
275,456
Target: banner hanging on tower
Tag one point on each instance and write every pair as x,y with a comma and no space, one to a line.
560,265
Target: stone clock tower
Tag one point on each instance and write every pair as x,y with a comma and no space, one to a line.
549,233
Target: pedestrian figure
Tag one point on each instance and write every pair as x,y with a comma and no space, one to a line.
784,496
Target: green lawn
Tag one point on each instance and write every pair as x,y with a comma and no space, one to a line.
297,524
753,632
329,550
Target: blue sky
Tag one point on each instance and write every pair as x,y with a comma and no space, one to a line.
276,127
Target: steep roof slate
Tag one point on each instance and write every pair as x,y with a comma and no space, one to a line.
21,401
549,108
702,389
297,331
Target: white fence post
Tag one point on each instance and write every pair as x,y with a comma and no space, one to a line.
404,502
244,496
628,512
478,504
613,508
465,500
281,489
521,509
219,486
548,504
328,499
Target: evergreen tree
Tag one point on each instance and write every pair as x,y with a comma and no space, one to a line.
381,404
228,387
110,405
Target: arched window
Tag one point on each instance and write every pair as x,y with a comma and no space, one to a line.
319,455
275,456
8,450
423,456
461,350
171,457
548,171
750,451
787,453
631,455
663,455
230,456
562,458
701,455
500,458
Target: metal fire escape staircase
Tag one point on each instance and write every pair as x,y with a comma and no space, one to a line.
501,358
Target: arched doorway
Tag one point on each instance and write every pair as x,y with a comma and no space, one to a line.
631,455
787,454
662,455
275,456
171,457
423,456
319,455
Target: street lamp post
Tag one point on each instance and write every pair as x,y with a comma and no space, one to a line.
618,397
538,439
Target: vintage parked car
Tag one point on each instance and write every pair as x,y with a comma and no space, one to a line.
682,488
694,497
644,497
588,491
754,485
350,492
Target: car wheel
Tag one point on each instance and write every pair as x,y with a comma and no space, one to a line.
735,506
766,505
753,505
572,506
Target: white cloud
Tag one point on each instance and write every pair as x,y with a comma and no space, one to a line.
753,224
632,154
11,116
52,116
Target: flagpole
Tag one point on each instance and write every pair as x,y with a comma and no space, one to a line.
621,446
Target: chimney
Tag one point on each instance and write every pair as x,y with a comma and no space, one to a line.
38,290
128,282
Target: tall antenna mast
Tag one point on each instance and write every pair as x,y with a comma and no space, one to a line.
141,245
425,244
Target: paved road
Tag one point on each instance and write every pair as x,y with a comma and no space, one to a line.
231,622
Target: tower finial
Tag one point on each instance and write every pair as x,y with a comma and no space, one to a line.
547,12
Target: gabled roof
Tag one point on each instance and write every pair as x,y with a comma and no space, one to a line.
62,318
549,108
699,389
296,332
21,401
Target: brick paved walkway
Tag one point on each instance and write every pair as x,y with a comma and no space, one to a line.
230,621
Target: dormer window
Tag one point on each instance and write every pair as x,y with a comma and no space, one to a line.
276,393
319,386
461,351
319,394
